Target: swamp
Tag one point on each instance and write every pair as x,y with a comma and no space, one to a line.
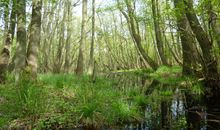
109,65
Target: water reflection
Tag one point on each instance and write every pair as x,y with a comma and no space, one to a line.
180,111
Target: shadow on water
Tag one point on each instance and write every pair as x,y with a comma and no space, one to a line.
170,106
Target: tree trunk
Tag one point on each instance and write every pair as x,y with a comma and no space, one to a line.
13,20
190,56
80,62
159,41
214,23
35,35
5,53
20,59
67,47
135,35
210,66
91,60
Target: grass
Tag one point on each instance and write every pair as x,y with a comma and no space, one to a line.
64,100
168,75
57,101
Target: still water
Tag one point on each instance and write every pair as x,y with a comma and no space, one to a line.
181,110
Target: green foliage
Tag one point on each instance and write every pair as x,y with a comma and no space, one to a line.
167,92
32,98
197,89
168,75
140,100
180,123
57,80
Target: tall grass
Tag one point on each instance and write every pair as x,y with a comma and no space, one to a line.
65,100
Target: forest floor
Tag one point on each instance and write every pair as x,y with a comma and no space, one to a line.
65,100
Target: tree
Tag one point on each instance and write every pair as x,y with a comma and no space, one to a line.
80,62
20,59
67,46
214,22
35,35
210,64
135,32
159,40
91,58
190,56
5,53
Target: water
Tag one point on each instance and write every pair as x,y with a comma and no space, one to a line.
181,111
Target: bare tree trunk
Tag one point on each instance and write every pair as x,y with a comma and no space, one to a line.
20,59
80,62
35,35
91,60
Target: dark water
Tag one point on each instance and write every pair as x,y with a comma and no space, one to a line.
181,111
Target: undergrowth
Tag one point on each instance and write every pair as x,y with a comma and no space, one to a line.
65,101
59,101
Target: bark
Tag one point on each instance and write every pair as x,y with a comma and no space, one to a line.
5,53
4,58
80,62
35,36
13,20
91,60
210,66
159,41
20,59
214,23
187,41
67,47
6,19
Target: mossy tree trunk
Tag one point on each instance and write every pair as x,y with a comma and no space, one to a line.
35,35
210,65
190,55
20,59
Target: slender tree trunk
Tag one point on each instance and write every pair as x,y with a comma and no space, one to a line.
13,20
135,33
59,60
20,59
67,47
35,35
157,29
12,32
6,18
80,62
91,60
